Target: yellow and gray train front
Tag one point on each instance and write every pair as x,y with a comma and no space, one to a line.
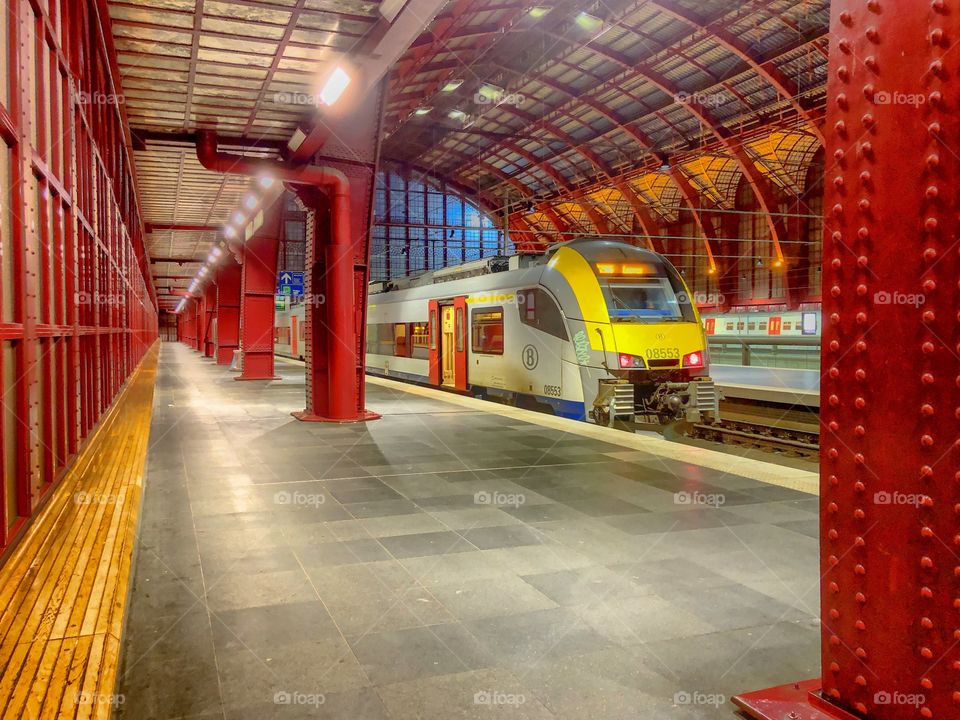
637,336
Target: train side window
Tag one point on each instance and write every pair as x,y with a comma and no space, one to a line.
400,346
433,329
538,309
487,331
420,340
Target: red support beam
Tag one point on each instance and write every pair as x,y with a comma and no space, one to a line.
337,273
258,286
228,310
891,387
209,315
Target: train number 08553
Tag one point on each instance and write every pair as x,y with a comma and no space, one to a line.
551,390
663,353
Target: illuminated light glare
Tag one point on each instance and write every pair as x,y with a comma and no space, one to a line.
538,11
452,85
334,86
778,263
490,92
229,231
250,201
589,22
239,218
216,252
606,268
266,182
422,110
711,271
457,115
630,269
203,271
694,360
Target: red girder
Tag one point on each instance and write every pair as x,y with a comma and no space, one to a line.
640,210
692,198
443,27
764,68
734,146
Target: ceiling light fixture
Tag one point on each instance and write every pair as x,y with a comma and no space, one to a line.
266,182
457,115
334,86
538,11
490,92
250,201
452,85
425,110
589,22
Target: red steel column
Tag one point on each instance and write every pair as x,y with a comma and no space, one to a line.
890,485
258,291
336,273
228,310
209,313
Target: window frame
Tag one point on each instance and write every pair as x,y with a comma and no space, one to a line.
474,312
536,322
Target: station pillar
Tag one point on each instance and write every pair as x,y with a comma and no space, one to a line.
207,318
336,269
228,310
890,456
258,287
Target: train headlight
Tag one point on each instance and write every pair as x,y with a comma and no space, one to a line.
631,362
693,360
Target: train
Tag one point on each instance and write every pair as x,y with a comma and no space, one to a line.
786,324
596,330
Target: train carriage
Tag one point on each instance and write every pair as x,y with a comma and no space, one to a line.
594,330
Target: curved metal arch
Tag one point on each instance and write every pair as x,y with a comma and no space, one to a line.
691,196
566,138
734,146
627,65
641,212
450,22
520,225
598,220
786,88
523,189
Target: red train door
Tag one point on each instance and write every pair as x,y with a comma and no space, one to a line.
434,349
460,343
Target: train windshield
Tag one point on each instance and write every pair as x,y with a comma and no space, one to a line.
650,299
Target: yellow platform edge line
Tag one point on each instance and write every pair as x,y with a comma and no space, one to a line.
66,598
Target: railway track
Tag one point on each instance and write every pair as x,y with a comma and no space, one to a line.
789,432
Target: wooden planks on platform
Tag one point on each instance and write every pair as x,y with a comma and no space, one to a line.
63,591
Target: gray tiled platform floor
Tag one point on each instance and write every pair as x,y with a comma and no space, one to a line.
354,565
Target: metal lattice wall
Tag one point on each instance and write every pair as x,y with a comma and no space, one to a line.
77,311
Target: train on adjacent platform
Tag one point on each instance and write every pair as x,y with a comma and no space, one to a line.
596,330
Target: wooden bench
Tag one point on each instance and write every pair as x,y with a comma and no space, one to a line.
63,591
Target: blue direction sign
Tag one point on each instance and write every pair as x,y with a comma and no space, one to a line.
289,283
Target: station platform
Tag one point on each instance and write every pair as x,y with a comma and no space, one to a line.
452,559
787,386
